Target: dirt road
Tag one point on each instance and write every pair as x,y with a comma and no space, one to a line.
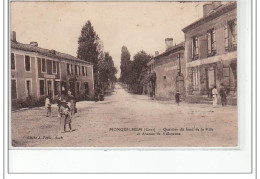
128,120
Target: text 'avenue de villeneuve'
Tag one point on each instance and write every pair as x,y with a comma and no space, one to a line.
124,76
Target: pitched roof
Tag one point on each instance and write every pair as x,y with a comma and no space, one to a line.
45,52
214,14
173,49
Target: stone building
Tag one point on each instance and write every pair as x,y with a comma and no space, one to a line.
168,70
37,72
211,51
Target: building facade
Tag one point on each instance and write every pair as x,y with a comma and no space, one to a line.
211,51
38,72
170,69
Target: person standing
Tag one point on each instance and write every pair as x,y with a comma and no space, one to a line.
59,104
177,97
48,105
65,115
215,96
223,95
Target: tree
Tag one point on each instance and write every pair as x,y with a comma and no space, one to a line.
90,47
107,70
137,67
125,62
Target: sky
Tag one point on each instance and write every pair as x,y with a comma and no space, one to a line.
136,25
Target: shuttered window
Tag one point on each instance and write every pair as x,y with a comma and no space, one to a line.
41,87
43,65
27,63
13,89
12,61
211,42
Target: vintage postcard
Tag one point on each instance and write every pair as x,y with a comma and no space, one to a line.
123,74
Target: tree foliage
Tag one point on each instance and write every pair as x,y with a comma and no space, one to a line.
107,70
135,71
91,49
125,62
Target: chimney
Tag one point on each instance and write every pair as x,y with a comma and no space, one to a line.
13,36
216,4
35,44
168,43
156,53
206,9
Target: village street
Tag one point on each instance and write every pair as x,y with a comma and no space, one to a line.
128,120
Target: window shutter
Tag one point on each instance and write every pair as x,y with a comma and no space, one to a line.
235,33
196,43
192,50
209,43
214,47
226,36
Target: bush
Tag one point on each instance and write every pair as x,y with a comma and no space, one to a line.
29,102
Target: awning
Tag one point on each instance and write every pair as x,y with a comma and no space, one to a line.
147,78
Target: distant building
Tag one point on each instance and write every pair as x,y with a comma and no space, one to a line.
211,50
38,72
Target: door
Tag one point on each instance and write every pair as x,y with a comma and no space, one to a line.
49,88
211,78
86,88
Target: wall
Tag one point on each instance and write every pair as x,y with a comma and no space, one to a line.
20,75
167,66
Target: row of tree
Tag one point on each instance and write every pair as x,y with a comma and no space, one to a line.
133,72
91,49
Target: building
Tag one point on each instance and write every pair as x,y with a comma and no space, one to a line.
38,72
211,51
170,68
166,72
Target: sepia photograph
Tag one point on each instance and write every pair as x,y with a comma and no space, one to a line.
123,74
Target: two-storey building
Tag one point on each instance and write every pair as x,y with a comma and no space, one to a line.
38,72
211,50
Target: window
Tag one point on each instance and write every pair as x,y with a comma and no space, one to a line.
211,42
179,63
28,84
68,69
195,77
226,76
13,89
41,87
12,61
231,35
54,67
194,48
71,66
77,70
83,71
27,63
86,71
43,66
56,87
164,77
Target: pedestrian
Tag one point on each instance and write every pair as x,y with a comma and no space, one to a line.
215,96
65,115
59,104
48,105
177,97
223,95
